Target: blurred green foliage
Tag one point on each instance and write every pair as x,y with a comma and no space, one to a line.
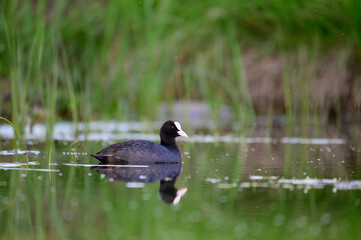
82,60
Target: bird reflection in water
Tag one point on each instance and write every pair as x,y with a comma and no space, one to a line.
166,173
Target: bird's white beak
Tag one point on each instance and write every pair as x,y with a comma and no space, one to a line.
180,131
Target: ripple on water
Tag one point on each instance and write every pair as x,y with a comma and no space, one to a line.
134,185
19,152
30,169
16,164
106,165
114,131
305,184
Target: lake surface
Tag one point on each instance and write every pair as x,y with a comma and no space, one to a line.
260,183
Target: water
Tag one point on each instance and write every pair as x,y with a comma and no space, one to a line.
261,184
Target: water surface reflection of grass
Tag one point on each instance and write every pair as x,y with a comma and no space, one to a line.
69,200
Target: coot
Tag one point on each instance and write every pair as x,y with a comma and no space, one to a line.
138,151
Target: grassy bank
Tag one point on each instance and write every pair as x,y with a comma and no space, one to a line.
84,60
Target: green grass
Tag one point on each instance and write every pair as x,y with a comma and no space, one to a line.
120,59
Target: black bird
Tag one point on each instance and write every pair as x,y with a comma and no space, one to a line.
142,151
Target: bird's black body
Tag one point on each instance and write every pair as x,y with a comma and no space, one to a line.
142,151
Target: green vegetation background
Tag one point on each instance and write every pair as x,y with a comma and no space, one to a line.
83,60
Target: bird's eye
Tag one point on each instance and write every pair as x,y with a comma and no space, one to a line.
172,127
